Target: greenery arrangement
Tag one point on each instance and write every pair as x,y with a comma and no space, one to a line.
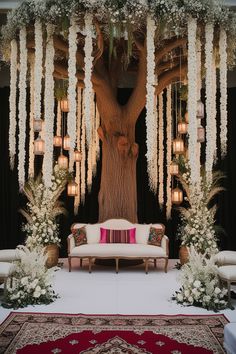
200,283
197,227
43,208
31,281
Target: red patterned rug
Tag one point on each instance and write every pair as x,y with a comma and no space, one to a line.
35,333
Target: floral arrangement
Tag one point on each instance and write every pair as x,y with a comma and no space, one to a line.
43,208
30,283
169,145
200,283
198,220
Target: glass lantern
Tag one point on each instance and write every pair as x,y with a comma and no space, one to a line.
39,146
66,142
57,141
64,105
77,156
182,127
63,161
178,146
186,117
72,189
176,196
37,125
200,109
200,134
174,168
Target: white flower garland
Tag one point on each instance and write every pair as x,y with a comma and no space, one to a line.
192,102
78,164
59,118
161,151
12,103
22,107
88,65
151,115
94,147
223,92
71,119
49,107
168,152
83,161
31,120
90,159
209,119
199,86
213,102
38,70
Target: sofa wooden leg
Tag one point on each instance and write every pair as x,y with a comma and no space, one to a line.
146,265
69,263
81,262
155,263
229,290
90,265
117,265
166,264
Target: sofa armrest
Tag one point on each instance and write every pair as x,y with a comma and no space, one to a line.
70,243
165,244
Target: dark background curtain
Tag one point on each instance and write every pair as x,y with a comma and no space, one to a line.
148,208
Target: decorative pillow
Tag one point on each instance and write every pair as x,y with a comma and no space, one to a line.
79,236
155,236
117,236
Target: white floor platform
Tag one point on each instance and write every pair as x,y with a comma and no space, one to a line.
105,292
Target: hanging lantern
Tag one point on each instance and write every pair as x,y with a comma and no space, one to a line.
174,168
37,125
64,105
63,161
186,117
66,142
200,134
176,196
182,127
39,146
77,156
178,146
57,141
72,189
200,109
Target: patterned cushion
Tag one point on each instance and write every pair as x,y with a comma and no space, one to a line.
155,236
117,236
79,236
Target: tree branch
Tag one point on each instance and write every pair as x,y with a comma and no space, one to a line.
169,76
168,46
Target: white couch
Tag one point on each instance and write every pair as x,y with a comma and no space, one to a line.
139,250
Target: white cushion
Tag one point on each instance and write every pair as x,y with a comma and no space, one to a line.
142,233
228,272
117,224
9,255
93,233
230,338
118,250
225,257
6,269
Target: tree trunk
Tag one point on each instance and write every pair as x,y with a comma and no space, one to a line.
118,189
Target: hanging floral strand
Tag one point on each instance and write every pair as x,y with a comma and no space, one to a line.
38,69
88,65
161,151
12,103
96,134
31,120
22,107
223,92
209,119
71,119
213,102
192,102
199,86
90,160
83,152
151,116
78,163
49,107
168,152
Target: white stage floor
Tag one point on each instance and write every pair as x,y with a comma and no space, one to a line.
105,292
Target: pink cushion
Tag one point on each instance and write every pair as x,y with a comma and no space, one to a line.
117,236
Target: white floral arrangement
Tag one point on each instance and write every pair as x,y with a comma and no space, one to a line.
201,285
31,281
197,225
43,208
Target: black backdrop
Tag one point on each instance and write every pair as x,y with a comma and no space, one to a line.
148,209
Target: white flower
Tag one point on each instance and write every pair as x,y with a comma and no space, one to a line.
217,291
